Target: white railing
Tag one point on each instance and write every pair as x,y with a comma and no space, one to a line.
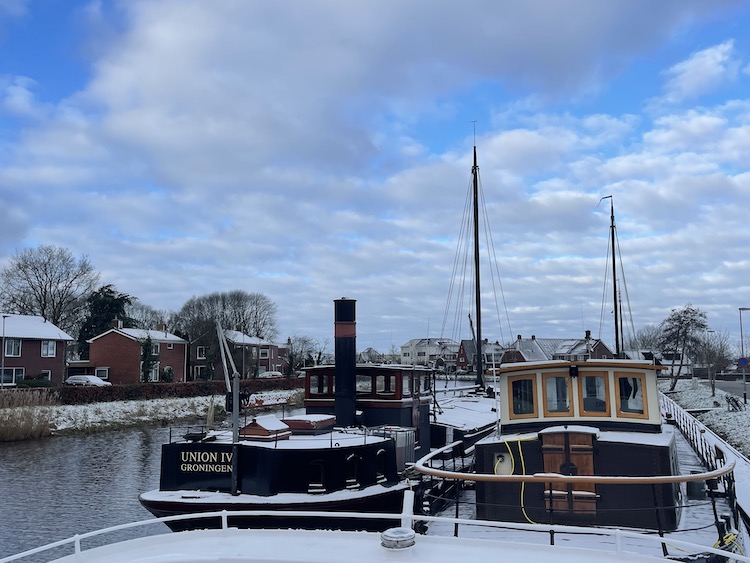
618,539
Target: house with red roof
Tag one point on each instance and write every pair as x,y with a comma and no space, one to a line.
115,355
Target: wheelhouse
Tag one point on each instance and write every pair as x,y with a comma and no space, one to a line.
615,394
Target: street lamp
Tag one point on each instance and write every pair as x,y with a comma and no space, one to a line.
742,354
2,362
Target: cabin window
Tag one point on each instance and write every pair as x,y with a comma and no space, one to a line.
556,395
522,396
385,384
630,395
319,384
364,384
315,477
594,393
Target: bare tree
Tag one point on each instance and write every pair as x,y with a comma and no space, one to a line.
300,352
681,332
146,317
50,282
253,314
717,354
645,338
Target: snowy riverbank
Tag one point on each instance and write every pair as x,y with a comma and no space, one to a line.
102,416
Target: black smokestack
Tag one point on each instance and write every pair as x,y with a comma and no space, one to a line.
345,335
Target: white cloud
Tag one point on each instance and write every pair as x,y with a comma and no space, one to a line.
704,72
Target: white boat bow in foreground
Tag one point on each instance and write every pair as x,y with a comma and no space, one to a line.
399,543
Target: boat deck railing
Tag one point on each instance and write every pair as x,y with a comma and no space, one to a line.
618,540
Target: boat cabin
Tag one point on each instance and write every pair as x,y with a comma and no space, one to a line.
385,395
611,394
583,419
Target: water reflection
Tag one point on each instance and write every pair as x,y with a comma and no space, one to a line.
54,487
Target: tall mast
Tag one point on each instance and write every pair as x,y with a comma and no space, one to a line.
614,277
475,179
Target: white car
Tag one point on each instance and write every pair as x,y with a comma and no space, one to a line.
271,374
86,380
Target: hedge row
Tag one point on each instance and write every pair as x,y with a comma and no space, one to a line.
75,395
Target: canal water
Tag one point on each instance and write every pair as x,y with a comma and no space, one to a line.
53,488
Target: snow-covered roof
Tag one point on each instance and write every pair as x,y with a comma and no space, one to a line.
141,334
237,337
32,327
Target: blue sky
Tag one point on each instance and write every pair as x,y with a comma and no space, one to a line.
322,149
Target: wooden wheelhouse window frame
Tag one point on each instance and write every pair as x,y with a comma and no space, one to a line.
607,399
641,377
545,378
534,396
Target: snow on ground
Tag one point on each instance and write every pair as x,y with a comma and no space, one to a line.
97,416
731,426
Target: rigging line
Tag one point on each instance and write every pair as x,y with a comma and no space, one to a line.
459,271
625,286
492,258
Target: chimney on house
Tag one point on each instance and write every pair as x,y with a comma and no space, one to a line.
116,323
345,350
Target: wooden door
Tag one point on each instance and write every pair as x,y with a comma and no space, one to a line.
570,453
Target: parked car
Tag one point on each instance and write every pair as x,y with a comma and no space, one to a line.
86,380
271,374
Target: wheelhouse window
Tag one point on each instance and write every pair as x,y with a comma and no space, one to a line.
522,393
12,347
319,384
630,395
406,385
385,384
49,348
556,394
364,384
594,393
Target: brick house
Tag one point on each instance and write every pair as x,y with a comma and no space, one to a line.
32,348
116,355
248,353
